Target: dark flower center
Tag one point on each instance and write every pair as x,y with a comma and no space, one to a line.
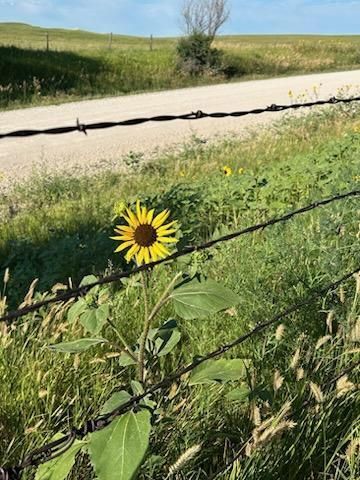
145,235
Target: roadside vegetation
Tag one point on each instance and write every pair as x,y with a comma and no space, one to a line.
81,64
56,227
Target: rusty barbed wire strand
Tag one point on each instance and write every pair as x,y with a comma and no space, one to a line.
84,128
77,292
53,449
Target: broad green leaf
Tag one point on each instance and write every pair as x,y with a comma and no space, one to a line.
240,394
215,371
117,451
94,319
168,345
102,313
88,280
76,310
165,338
77,346
199,299
89,321
60,467
125,360
115,401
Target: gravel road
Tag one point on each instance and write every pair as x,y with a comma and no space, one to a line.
19,156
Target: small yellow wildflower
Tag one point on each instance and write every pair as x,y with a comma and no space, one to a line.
227,171
290,93
241,171
356,178
145,235
182,173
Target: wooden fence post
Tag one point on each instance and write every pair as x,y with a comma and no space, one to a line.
47,42
110,41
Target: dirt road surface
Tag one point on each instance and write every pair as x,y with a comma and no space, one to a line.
62,152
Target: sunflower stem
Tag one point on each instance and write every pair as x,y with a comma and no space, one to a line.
128,350
149,318
146,328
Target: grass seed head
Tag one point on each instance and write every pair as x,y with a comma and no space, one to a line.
185,458
280,332
295,359
278,380
322,341
343,386
316,391
6,276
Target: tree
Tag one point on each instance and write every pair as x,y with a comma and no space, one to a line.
204,17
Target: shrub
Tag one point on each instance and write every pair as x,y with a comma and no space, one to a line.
196,55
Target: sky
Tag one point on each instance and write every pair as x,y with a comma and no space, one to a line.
162,18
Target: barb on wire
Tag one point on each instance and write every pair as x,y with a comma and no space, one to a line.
304,405
51,450
168,118
77,292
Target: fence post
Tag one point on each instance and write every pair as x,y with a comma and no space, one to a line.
47,42
151,42
110,41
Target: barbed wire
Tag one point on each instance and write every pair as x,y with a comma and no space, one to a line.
56,448
199,114
77,292
305,404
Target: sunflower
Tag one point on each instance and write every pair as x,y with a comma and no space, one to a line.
227,171
145,235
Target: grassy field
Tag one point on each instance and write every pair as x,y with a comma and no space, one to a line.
57,227
80,64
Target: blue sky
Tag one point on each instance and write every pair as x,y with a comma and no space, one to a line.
161,17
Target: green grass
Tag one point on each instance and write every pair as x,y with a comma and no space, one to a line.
56,227
80,64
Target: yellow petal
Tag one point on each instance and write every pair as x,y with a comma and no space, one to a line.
123,237
140,256
146,255
133,250
144,215
167,239
161,218
166,227
124,228
130,222
161,249
165,233
154,257
133,220
123,246
157,250
150,216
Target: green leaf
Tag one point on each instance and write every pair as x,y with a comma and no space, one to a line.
94,319
240,394
77,346
76,310
199,299
88,280
125,360
118,450
60,467
215,371
165,338
115,401
168,345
